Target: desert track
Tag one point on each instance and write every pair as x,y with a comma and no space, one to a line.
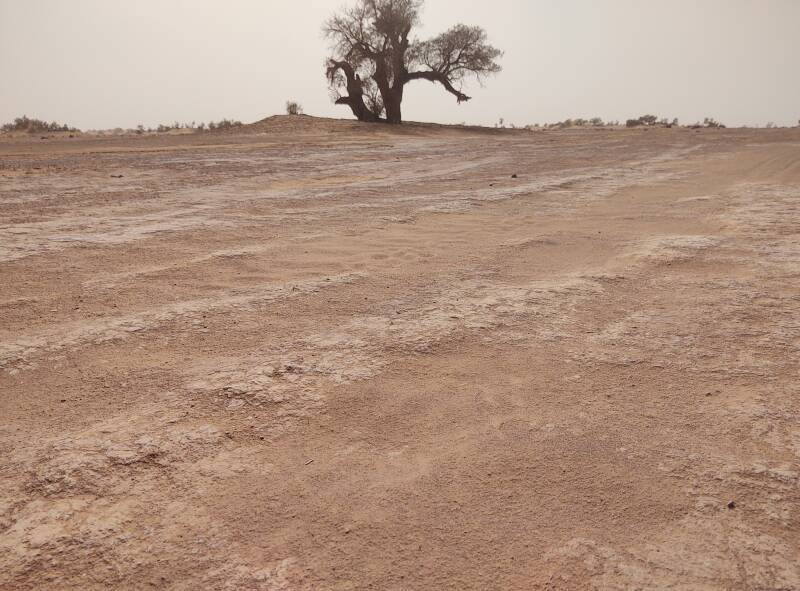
335,356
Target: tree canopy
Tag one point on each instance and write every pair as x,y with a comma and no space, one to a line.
374,57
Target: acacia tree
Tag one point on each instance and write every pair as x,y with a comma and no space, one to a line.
374,57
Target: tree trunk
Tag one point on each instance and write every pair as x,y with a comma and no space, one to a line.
394,111
391,102
355,98
359,108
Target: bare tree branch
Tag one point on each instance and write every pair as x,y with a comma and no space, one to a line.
441,79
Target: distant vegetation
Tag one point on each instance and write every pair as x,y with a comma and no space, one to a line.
580,122
642,121
650,120
29,125
708,122
223,124
32,125
193,126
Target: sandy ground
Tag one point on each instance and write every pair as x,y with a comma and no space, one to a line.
320,355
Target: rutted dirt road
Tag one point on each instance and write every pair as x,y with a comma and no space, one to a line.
320,355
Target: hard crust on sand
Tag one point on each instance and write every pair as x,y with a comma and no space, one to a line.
317,354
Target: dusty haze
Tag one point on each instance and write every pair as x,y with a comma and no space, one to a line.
99,64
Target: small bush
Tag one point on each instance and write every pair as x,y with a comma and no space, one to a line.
294,108
646,120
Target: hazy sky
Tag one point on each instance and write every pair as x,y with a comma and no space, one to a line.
109,63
